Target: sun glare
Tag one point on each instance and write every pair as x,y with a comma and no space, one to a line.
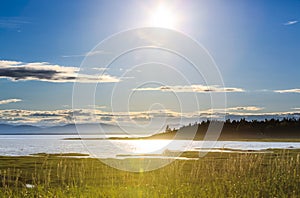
163,16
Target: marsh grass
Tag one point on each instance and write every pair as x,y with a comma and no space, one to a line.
216,175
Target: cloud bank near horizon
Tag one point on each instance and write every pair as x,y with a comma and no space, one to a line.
66,116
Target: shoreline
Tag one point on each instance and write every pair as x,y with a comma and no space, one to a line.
168,153
288,139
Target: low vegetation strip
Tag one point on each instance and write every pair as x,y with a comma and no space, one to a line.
272,174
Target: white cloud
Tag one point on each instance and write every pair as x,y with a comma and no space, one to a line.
291,22
191,88
43,71
86,54
9,101
288,91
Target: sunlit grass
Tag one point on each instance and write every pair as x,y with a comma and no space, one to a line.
216,175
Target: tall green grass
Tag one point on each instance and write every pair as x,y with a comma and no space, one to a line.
216,175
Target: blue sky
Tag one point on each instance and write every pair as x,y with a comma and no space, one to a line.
255,44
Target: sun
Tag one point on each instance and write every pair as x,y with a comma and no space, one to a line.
163,16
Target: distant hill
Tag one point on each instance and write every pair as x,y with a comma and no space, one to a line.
7,129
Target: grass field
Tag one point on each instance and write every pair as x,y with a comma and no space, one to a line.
274,174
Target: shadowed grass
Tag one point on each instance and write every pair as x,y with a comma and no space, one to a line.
216,175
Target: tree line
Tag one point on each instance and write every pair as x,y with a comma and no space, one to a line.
268,128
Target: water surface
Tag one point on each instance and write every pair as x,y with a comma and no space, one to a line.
24,145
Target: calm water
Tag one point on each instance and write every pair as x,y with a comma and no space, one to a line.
22,145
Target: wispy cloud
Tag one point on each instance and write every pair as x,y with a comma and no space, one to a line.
288,91
232,110
246,108
43,71
218,113
296,108
12,22
291,22
86,54
97,106
10,101
191,88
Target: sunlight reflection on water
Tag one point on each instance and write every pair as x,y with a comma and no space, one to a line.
143,146
22,145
